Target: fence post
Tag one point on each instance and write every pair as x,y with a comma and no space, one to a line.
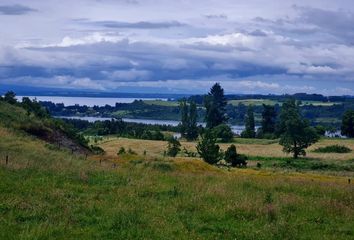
7,159
349,180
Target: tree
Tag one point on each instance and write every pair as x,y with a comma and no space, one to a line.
10,97
249,131
348,124
297,134
235,159
208,149
189,128
215,104
289,110
268,119
223,132
184,117
173,147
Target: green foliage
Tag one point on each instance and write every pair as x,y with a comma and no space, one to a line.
121,151
348,124
188,126
131,152
249,131
297,137
268,119
173,147
321,130
97,150
215,104
10,97
333,149
235,159
34,107
208,149
223,132
296,134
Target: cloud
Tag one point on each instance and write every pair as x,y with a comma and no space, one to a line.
133,45
134,25
16,9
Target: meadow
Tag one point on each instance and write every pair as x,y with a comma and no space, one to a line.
48,193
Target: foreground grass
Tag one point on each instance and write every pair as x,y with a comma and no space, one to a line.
51,194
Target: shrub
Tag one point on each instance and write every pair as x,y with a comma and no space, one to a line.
131,152
235,159
97,150
173,147
208,149
223,132
333,149
121,151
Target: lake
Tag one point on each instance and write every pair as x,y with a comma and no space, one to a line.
237,129
88,101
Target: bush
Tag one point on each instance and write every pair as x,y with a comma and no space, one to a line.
208,149
97,150
235,159
131,152
223,132
173,147
333,149
121,151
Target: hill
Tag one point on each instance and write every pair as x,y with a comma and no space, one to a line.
54,131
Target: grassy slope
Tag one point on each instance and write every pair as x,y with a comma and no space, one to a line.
60,196
46,193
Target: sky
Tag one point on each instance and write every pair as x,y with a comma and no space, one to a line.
179,46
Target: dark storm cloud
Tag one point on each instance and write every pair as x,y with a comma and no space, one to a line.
15,10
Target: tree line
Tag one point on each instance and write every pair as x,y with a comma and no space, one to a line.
292,129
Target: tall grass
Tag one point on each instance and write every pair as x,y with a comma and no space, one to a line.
48,193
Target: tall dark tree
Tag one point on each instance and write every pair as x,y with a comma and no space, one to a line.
289,110
348,124
296,135
192,130
184,117
250,127
268,119
189,128
215,104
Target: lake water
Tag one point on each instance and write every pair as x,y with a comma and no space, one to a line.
88,101
237,129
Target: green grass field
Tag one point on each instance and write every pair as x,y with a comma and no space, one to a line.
47,193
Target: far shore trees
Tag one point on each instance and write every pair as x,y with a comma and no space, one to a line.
296,133
215,104
189,129
348,124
